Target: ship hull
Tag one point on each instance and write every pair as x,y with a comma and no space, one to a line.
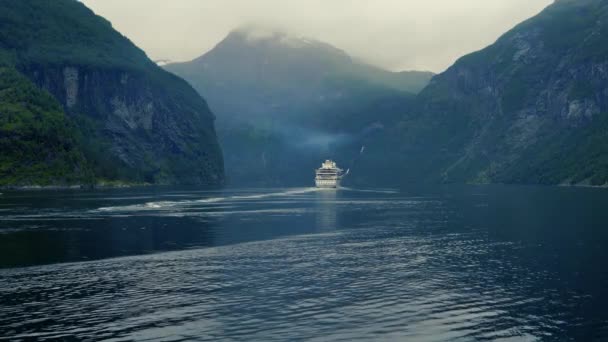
327,184
328,176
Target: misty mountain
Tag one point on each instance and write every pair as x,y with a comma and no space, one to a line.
531,108
261,72
284,103
80,104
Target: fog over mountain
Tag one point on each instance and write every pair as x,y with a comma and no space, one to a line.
394,34
284,103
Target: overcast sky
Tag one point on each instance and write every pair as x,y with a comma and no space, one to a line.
395,34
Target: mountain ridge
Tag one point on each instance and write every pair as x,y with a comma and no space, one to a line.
139,123
285,102
528,109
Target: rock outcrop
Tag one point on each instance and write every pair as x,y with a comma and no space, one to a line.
136,122
531,108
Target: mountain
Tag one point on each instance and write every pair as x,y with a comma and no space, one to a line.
530,109
36,139
257,71
284,103
93,103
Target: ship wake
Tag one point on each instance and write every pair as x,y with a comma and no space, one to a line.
175,205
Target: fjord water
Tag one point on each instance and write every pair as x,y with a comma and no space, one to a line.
427,264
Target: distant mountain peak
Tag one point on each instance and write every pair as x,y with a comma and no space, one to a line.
162,62
255,34
258,33
258,55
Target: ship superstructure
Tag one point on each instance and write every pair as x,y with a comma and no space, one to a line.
329,175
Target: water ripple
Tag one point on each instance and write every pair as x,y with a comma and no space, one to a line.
404,272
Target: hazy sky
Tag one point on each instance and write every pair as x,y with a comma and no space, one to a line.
395,34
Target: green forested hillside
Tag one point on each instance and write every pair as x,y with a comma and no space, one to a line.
531,108
64,32
38,144
133,121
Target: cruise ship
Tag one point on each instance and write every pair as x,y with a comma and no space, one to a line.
329,175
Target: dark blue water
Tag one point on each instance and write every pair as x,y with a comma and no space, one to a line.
434,264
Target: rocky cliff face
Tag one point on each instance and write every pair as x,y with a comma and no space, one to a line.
38,145
530,108
150,133
136,122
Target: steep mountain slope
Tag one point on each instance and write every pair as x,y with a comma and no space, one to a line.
138,122
260,72
284,103
531,108
37,141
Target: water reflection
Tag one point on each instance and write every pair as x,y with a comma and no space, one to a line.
326,210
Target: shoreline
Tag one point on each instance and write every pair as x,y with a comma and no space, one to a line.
93,187
100,186
115,186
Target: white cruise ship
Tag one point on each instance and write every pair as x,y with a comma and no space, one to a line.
329,175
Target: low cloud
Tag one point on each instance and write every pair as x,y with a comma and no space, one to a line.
395,34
